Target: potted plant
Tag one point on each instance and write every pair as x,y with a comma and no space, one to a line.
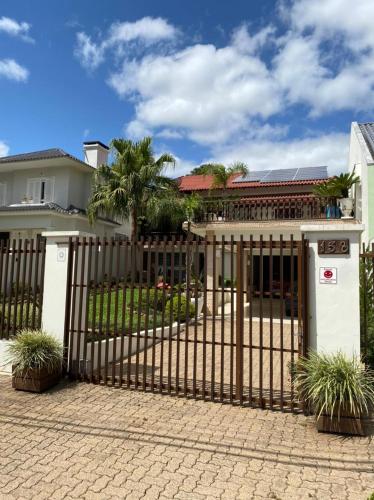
343,183
337,389
36,359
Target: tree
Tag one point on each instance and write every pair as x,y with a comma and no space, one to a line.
222,174
205,169
174,208
135,178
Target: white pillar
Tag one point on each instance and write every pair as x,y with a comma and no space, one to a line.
55,280
334,307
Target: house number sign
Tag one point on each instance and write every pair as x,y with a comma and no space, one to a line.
333,247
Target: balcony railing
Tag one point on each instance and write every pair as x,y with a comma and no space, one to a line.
268,209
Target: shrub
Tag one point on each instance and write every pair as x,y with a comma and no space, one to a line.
332,384
35,349
154,301
182,309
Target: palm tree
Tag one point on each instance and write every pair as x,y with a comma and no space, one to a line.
125,188
222,174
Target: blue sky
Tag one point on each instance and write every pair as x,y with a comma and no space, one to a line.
273,84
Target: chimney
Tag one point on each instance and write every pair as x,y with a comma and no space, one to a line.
95,153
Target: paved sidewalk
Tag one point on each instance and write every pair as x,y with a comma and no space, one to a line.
87,441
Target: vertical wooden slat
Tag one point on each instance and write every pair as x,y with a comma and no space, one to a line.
18,259
41,285
23,280
80,292
232,318
196,293
281,313
101,305
188,296
251,298
162,347
147,310
134,248
171,313
222,360
261,339
157,249
67,333
239,320
177,362
2,278
271,276
292,311
108,325
87,307
214,306
94,304
36,299
73,333
10,287
139,309
205,313
117,261
127,248
29,282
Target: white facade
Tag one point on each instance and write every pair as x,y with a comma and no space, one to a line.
50,194
361,161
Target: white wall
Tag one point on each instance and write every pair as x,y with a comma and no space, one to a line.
358,160
334,308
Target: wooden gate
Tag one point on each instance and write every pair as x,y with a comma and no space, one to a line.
216,320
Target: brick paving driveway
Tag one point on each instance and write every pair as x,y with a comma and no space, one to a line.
87,441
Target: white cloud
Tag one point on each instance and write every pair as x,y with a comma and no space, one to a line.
206,93
4,149
329,149
89,54
327,58
245,42
10,69
145,31
14,28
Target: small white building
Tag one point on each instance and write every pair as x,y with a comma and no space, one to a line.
49,191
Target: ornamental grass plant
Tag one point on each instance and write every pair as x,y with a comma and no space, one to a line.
334,385
34,349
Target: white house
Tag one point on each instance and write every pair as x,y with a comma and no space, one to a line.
361,159
48,191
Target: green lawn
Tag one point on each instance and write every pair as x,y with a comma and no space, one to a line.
106,306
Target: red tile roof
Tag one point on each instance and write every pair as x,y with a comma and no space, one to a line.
204,183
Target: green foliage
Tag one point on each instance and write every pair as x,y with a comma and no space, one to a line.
127,186
333,384
371,497
35,349
222,174
337,187
206,169
180,307
154,300
23,320
367,310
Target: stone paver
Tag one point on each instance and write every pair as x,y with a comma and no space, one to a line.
93,442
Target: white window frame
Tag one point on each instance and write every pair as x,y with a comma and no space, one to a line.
39,180
3,202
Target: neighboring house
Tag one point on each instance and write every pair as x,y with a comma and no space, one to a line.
263,202
48,191
270,203
361,159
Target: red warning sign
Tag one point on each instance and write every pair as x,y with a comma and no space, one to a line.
328,275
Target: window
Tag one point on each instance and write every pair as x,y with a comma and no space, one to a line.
2,194
40,191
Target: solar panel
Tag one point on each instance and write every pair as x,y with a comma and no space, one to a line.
281,175
284,175
311,173
251,177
